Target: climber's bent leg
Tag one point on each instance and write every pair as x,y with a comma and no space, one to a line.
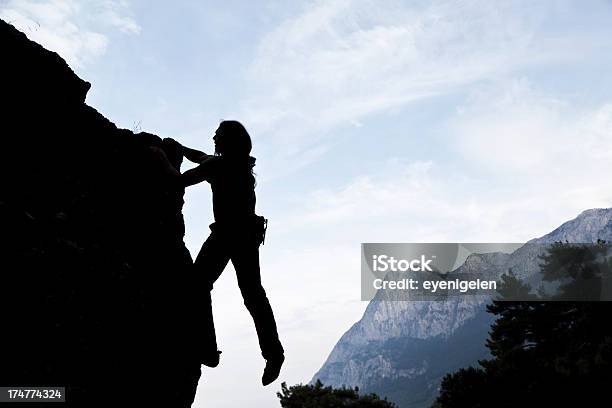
208,266
212,259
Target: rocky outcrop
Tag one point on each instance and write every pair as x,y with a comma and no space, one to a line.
402,349
95,279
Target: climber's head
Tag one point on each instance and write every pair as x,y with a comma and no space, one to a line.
232,140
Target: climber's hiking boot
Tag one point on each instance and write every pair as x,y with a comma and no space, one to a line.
211,359
272,370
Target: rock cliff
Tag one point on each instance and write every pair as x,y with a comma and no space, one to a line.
95,282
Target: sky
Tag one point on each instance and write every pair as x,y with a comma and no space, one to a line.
372,121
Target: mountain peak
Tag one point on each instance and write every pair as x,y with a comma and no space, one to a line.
589,226
401,349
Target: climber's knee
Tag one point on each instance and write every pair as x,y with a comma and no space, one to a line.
253,297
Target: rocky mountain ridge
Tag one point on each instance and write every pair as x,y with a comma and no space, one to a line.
369,354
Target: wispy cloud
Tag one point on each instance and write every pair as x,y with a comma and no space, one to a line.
342,60
113,12
511,128
523,163
71,28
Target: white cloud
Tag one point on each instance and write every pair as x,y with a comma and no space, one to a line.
524,163
113,13
341,60
514,131
553,154
66,26
510,128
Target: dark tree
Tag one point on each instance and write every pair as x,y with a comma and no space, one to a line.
320,396
545,353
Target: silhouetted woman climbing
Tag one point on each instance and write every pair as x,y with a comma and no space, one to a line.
236,234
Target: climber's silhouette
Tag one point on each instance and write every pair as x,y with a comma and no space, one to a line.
235,235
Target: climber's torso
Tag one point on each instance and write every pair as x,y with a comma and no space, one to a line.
233,188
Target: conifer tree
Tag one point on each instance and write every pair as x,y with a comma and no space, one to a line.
548,351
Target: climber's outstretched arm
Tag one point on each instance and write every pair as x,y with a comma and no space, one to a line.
190,177
200,173
167,167
194,155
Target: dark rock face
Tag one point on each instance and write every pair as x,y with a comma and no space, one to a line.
95,280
